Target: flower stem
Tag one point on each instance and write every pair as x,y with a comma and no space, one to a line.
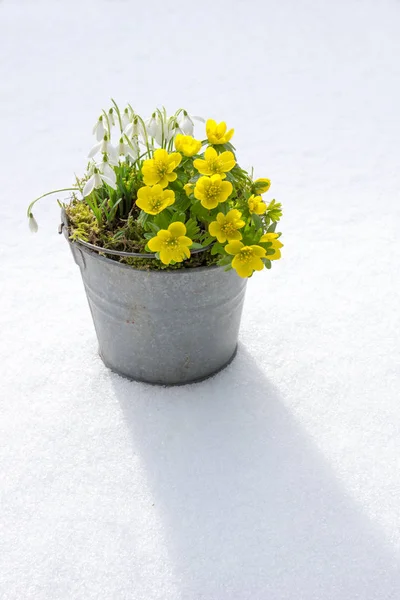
29,211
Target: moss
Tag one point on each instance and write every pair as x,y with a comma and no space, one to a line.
126,236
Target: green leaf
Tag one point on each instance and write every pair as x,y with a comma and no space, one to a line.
274,210
225,260
217,249
267,262
257,220
196,246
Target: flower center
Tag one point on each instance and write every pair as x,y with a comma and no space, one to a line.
228,228
245,255
156,203
213,191
161,168
172,243
214,165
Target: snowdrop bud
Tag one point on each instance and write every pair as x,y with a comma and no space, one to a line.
33,226
186,124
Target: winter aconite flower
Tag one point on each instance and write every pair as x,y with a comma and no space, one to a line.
256,205
247,259
154,199
261,185
226,227
187,145
214,163
171,243
217,134
160,168
276,245
212,190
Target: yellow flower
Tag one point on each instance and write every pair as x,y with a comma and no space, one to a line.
154,199
261,185
217,134
187,145
247,258
214,163
256,205
171,243
159,169
225,228
276,245
212,190
189,187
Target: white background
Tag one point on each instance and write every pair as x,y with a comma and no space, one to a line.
278,478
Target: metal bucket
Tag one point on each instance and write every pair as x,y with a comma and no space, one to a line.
163,327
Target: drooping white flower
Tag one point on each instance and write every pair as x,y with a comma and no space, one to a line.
111,118
185,123
104,146
33,226
99,129
173,129
96,181
134,128
106,169
125,149
154,126
125,118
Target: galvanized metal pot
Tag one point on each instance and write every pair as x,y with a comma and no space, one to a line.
163,327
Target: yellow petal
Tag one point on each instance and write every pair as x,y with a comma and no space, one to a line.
229,134
200,165
228,160
184,240
242,269
234,247
258,251
226,188
221,128
177,229
155,244
214,228
211,126
210,153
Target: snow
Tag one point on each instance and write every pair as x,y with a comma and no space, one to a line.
278,478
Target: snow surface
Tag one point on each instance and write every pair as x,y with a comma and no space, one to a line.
278,478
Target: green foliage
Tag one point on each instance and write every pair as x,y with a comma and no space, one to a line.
110,217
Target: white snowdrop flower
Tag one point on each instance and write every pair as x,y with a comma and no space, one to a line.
125,118
33,226
173,129
96,181
106,169
134,128
153,126
104,146
99,129
125,149
185,123
111,118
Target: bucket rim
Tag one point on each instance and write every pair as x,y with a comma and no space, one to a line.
165,272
